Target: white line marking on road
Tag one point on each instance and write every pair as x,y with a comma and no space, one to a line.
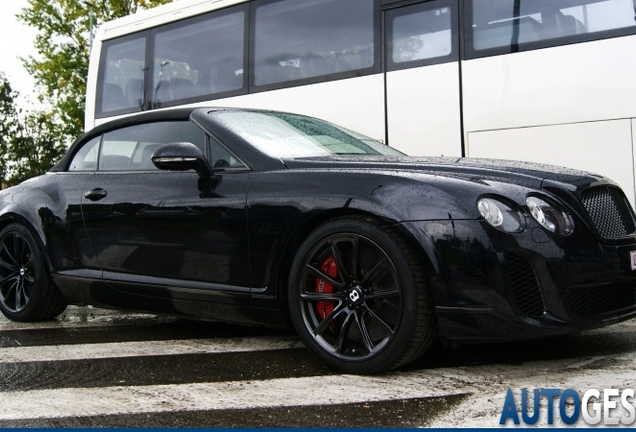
145,348
487,386
327,390
87,317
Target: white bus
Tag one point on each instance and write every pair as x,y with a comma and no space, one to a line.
550,81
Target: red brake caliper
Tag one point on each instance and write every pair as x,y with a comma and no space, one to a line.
325,307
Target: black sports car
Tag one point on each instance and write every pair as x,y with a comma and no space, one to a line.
277,219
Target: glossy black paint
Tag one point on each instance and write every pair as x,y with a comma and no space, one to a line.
182,156
219,246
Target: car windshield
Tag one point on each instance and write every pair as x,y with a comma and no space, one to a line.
285,135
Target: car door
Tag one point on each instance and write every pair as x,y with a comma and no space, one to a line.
166,235
61,217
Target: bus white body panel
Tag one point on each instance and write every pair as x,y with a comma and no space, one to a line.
567,105
355,103
566,84
575,145
634,156
424,120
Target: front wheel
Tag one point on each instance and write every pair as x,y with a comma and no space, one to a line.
358,297
26,291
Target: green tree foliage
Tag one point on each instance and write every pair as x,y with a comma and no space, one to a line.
35,146
30,141
62,43
8,117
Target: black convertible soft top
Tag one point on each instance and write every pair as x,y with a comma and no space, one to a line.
170,114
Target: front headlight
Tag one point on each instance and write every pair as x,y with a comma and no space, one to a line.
550,216
500,215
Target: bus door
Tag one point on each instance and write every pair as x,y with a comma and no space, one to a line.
423,78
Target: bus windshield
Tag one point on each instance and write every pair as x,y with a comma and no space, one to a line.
284,135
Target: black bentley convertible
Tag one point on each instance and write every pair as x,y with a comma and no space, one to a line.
276,219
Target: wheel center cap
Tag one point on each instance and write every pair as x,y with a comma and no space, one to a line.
22,272
355,296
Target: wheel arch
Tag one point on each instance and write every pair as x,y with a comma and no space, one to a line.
288,251
35,229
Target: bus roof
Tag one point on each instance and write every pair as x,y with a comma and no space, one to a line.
169,12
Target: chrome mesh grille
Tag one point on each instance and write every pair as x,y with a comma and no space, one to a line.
595,300
608,209
525,285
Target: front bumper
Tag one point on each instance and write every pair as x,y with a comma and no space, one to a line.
493,286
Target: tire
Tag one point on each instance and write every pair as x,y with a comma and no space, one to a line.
26,291
375,315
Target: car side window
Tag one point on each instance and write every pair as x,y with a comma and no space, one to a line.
86,158
131,148
222,158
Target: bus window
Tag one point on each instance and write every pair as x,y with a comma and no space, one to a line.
198,57
511,24
305,39
121,86
419,35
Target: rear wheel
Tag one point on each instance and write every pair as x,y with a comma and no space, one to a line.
26,291
358,297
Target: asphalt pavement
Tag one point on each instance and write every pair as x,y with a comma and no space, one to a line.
98,368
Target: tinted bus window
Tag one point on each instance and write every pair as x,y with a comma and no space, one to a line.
198,57
304,39
420,34
511,24
122,75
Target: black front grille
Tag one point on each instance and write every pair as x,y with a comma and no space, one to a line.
525,285
609,211
596,300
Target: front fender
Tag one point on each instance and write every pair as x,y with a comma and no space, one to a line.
51,207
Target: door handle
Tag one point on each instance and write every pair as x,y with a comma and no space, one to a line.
96,194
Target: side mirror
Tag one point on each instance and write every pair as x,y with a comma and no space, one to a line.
182,156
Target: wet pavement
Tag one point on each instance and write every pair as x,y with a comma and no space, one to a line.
403,413
97,368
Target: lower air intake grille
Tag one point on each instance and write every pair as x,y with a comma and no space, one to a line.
596,300
525,285
609,211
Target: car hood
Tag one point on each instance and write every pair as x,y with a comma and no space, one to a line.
471,169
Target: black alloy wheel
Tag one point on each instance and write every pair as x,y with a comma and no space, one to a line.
26,292
358,297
